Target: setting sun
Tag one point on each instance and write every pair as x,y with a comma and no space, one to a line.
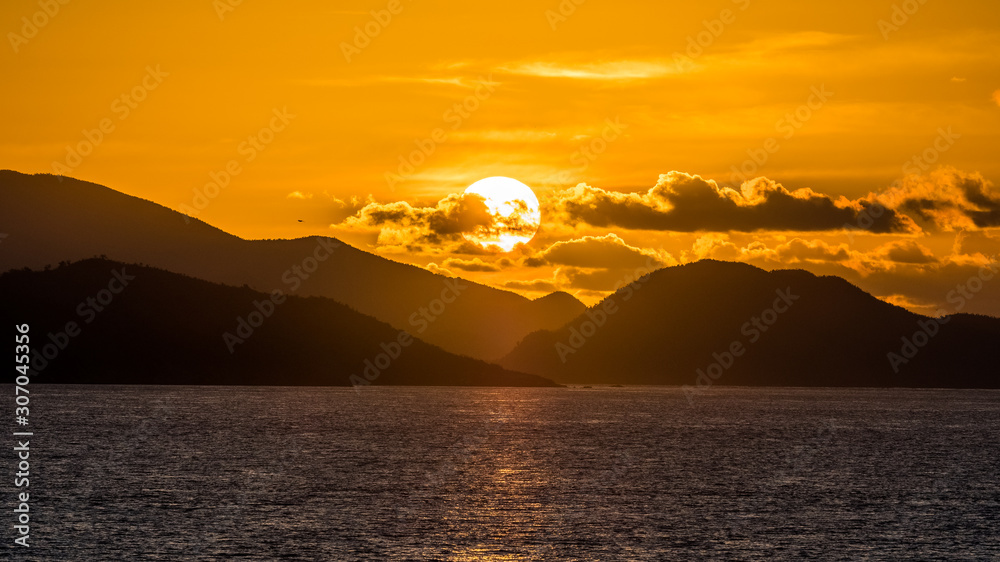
515,212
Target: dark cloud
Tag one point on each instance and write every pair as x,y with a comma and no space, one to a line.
949,199
459,213
446,221
608,251
980,194
977,242
474,264
599,279
685,203
907,251
798,250
468,248
541,285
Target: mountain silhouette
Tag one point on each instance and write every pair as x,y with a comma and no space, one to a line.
100,321
50,219
695,325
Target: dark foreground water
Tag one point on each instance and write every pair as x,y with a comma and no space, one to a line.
220,473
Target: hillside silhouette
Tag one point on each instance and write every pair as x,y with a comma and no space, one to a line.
50,219
679,320
141,325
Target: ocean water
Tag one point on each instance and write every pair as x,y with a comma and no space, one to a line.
634,473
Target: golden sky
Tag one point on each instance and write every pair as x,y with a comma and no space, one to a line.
641,126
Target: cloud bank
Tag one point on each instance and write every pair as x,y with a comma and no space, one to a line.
682,202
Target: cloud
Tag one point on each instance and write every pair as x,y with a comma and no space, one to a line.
979,244
401,222
798,250
474,264
815,254
453,220
537,285
996,97
948,199
686,203
938,288
299,195
601,279
928,309
466,247
614,71
434,268
906,251
605,252
595,264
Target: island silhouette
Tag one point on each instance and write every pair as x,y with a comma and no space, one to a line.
156,297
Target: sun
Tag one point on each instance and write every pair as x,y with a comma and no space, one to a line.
514,207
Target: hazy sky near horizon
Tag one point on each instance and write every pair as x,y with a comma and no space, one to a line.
653,133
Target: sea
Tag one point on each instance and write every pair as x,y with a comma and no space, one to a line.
444,473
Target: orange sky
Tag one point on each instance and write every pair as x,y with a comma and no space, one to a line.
312,118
